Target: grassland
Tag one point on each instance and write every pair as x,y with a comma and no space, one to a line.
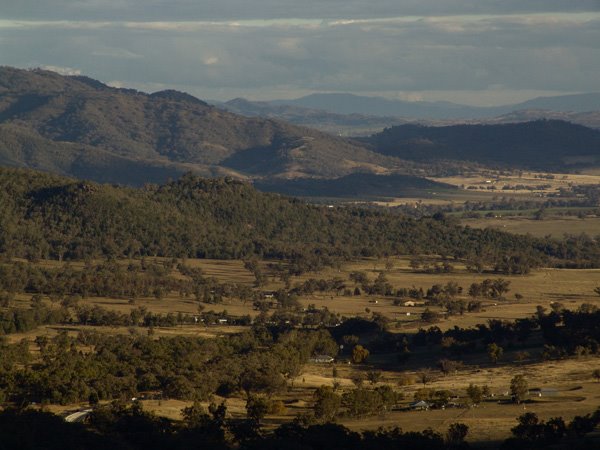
490,185
573,390
555,227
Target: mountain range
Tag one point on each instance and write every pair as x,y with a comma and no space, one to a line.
77,126
341,103
352,115
81,127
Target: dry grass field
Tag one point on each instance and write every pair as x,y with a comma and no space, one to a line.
555,227
539,179
572,390
541,287
488,185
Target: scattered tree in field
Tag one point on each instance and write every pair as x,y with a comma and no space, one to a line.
327,403
389,264
359,354
494,352
456,434
522,356
374,376
425,376
257,407
519,388
406,379
475,394
596,374
448,366
430,316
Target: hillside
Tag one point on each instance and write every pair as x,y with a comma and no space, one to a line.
81,127
47,216
541,145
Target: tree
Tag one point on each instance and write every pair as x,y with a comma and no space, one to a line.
475,394
359,354
425,376
389,264
327,403
519,388
429,316
447,366
374,377
495,352
257,407
596,374
456,434
195,416
521,356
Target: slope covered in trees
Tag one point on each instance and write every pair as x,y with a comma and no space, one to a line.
46,216
542,144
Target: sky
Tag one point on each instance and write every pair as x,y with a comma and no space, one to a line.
479,52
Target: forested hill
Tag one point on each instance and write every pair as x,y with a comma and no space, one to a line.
542,144
81,127
46,216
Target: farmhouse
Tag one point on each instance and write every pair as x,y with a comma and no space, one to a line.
421,405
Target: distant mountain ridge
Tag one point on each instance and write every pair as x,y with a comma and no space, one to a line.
81,127
347,122
341,103
341,124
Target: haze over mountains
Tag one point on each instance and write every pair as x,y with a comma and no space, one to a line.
77,126
356,104
356,115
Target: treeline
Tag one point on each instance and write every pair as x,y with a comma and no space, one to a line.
124,427
559,333
113,367
564,333
66,283
130,427
45,216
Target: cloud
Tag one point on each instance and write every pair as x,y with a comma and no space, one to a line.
62,70
115,53
176,10
410,56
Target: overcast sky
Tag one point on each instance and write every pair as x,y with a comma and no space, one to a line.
468,51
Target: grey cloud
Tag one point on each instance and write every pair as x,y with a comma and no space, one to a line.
452,53
266,9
